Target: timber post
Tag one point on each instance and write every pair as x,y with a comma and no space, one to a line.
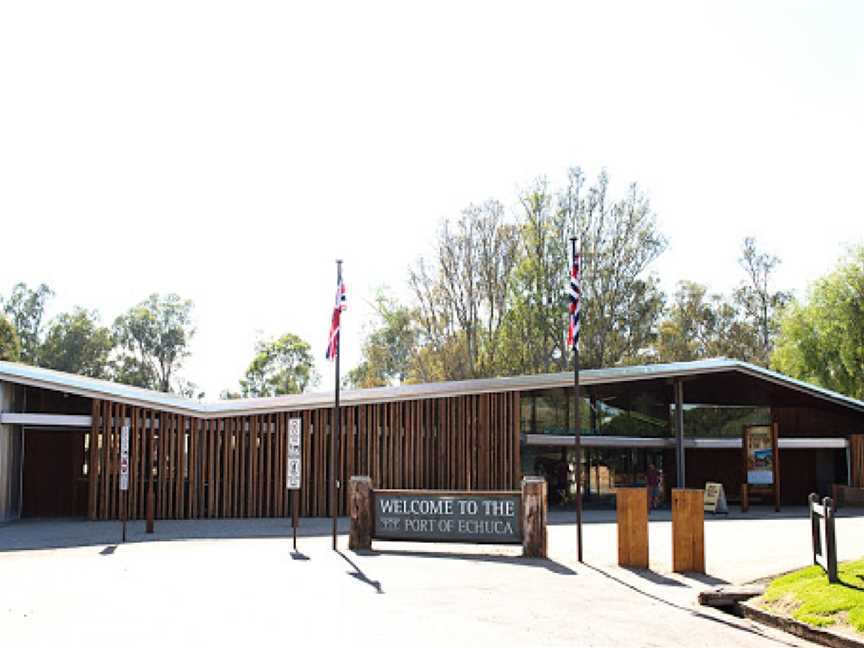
362,515
631,513
534,517
688,530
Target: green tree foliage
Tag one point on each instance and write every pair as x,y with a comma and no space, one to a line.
462,295
698,325
281,366
153,339
10,345
822,339
77,343
491,300
758,302
390,348
25,308
622,302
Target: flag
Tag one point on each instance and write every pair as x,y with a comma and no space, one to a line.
575,293
341,305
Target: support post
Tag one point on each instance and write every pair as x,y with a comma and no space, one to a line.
534,492
362,514
679,434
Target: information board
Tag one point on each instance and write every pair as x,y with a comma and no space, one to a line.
295,455
491,517
759,454
124,458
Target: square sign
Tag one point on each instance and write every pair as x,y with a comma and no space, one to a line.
124,458
293,473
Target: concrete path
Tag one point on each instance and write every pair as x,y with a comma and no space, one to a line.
236,583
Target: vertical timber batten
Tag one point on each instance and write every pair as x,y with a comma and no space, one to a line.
233,466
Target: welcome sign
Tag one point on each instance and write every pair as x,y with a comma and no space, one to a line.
446,516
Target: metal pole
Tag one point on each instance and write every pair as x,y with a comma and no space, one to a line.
336,426
679,433
295,505
578,424
151,498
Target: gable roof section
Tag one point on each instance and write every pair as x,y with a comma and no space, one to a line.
103,389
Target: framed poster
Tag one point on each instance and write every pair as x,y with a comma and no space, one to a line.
759,454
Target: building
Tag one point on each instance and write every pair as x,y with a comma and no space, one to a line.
59,438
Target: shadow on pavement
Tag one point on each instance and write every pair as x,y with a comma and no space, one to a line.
360,575
551,565
705,579
562,515
653,576
688,610
30,534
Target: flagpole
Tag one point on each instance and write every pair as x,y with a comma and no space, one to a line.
578,422
337,422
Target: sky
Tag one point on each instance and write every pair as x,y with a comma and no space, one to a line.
231,151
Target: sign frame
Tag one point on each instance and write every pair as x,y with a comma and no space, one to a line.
453,495
294,462
124,458
750,484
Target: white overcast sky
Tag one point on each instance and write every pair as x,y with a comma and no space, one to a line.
230,151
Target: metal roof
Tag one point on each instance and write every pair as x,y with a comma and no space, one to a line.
95,388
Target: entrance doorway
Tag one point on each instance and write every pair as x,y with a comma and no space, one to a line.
54,484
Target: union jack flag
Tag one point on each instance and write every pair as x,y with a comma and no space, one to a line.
341,305
575,292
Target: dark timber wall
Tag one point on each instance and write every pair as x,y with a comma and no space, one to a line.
234,466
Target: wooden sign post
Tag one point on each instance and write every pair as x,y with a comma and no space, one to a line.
294,471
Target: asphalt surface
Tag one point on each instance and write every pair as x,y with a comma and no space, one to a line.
238,583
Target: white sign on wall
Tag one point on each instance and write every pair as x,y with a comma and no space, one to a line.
124,458
294,471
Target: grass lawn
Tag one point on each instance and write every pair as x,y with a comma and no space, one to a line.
807,596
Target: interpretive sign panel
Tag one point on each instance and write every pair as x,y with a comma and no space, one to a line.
124,458
759,454
295,461
446,516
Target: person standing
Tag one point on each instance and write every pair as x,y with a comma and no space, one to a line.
653,479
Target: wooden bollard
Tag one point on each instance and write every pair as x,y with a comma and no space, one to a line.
688,530
360,503
632,515
533,517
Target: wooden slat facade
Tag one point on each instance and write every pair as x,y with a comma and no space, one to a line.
235,466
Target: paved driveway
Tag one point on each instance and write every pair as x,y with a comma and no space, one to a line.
227,583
